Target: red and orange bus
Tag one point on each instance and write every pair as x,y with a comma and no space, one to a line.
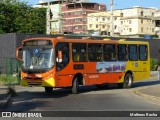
61,62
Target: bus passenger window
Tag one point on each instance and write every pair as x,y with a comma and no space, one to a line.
133,54
95,52
143,54
109,52
79,53
64,47
122,52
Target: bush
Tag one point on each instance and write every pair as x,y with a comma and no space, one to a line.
153,63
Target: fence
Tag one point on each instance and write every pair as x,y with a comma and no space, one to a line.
12,71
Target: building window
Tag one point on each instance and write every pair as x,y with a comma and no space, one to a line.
130,29
115,18
78,13
64,28
96,25
152,29
130,21
69,28
115,27
103,26
141,21
121,14
78,20
152,14
90,25
76,27
99,7
121,22
63,21
103,19
141,13
141,29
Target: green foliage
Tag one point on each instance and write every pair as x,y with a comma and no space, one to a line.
153,63
3,79
18,17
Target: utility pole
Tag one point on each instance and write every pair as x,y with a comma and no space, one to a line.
48,24
111,18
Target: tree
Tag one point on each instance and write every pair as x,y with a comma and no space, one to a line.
18,17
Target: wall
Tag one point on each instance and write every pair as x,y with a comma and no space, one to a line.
9,43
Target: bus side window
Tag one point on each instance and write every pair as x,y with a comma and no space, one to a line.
143,52
133,54
95,52
79,52
109,52
122,52
64,47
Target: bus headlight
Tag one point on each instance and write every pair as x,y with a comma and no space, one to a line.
47,77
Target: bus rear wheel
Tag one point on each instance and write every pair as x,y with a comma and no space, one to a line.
48,89
128,81
75,86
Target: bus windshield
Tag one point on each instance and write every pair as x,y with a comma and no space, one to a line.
37,58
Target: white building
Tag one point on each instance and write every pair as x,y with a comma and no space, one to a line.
136,21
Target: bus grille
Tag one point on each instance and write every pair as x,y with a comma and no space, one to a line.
34,83
29,78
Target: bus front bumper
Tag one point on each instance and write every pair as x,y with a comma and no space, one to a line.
44,83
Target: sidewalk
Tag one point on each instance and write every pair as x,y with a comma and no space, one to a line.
151,92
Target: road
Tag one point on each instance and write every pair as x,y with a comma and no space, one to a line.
90,98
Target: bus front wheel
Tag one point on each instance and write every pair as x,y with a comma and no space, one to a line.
128,81
75,86
48,89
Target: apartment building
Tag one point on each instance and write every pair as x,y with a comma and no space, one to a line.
157,22
74,19
101,22
136,21
54,16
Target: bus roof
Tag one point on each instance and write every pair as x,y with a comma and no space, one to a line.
88,40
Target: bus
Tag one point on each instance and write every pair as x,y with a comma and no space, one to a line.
65,62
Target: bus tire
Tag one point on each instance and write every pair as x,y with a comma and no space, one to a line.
75,86
128,81
48,89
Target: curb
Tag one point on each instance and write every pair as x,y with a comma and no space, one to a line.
148,97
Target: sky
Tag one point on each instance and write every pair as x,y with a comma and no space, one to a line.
118,4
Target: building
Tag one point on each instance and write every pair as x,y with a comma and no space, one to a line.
100,23
54,16
74,15
136,21
157,22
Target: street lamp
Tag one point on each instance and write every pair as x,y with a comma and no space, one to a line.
48,24
111,17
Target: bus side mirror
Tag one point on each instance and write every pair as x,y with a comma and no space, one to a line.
59,56
19,53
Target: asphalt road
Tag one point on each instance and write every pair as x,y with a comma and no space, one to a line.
90,98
